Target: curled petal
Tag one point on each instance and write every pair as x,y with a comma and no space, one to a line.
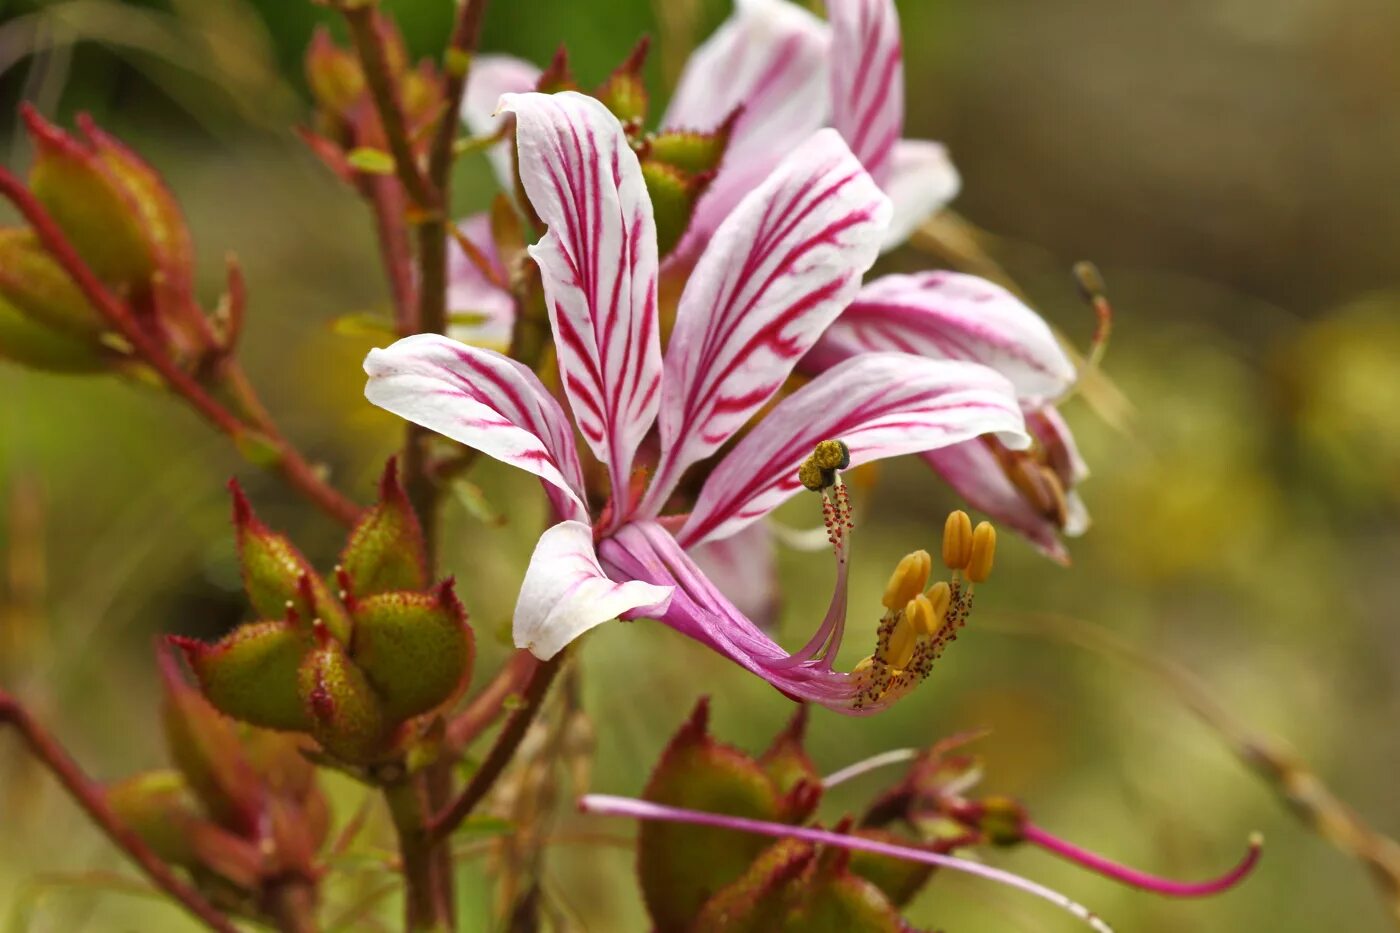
921,182
490,77
599,265
471,292
867,80
952,316
744,568
770,58
566,592
484,400
879,404
777,273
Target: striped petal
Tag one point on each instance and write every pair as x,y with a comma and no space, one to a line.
599,265
778,272
952,316
922,181
477,292
484,400
490,77
744,568
880,404
867,80
770,59
981,473
566,592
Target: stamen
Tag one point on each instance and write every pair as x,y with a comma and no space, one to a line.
645,810
984,549
908,580
957,540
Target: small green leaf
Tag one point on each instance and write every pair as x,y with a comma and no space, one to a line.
371,161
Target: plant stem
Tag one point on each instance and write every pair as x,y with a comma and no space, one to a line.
292,905
427,895
93,801
368,38
294,468
442,825
487,705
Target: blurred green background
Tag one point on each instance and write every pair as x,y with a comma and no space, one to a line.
1231,165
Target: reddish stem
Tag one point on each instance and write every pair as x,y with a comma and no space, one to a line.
298,473
1139,879
92,799
486,706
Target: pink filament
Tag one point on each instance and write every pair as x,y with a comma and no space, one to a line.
1139,879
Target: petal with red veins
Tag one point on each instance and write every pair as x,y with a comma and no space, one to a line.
599,266
879,404
484,400
489,78
777,273
566,592
744,568
770,58
949,315
867,80
921,182
469,291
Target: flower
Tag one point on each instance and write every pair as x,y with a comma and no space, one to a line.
780,269
791,73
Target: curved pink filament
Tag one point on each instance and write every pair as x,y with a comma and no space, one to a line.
1140,879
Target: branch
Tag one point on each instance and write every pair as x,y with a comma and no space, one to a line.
444,823
466,32
487,705
91,798
289,462
369,46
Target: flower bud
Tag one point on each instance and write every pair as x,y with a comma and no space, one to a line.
386,550
674,194
624,92
690,151
898,879
758,899
1002,820
110,203
251,674
835,898
27,342
415,649
158,807
791,770
557,76
681,866
32,281
276,575
347,716
334,76
205,747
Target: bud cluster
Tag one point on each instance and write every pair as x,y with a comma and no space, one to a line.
355,665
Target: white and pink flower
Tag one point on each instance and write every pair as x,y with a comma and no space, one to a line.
783,265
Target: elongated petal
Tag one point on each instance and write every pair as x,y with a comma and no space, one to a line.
599,266
777,273
921,182
646,551
867,80
489,78
880,404
744,568
484,400
770,59
566,592
950,316
471,292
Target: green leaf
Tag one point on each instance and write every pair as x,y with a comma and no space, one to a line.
370,161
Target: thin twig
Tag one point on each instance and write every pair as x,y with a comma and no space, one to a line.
487,705
93,801
466,32
294,468
368,38
442,825
1301,788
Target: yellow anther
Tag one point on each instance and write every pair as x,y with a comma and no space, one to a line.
863,666
919,611
813,476
908,580
832,455
940,597
984,549
957,540
902,641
